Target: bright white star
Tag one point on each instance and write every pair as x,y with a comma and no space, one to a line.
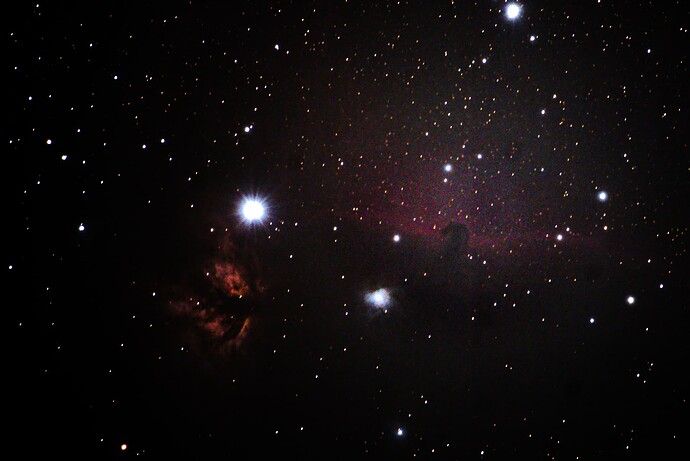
513,11
253,210
448,167
602,196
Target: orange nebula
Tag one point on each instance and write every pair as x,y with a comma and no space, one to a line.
224,323
231,279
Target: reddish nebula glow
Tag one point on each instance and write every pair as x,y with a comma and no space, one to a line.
220,319
212,325
230,279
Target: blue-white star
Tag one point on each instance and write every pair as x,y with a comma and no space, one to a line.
513,11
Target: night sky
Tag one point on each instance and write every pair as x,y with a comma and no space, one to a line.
346,230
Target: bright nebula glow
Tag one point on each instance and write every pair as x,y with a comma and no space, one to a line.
253,210
513,11
602,196
631,299
380,298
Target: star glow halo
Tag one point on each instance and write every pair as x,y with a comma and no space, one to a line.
379,299
513,11
252,210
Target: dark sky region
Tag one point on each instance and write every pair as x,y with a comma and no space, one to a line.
346,230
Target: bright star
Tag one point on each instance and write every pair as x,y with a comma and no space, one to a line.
448,167
602,196
631,299
513,11
399,432
253,209
396,238
380,298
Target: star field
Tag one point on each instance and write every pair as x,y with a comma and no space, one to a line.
346,230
